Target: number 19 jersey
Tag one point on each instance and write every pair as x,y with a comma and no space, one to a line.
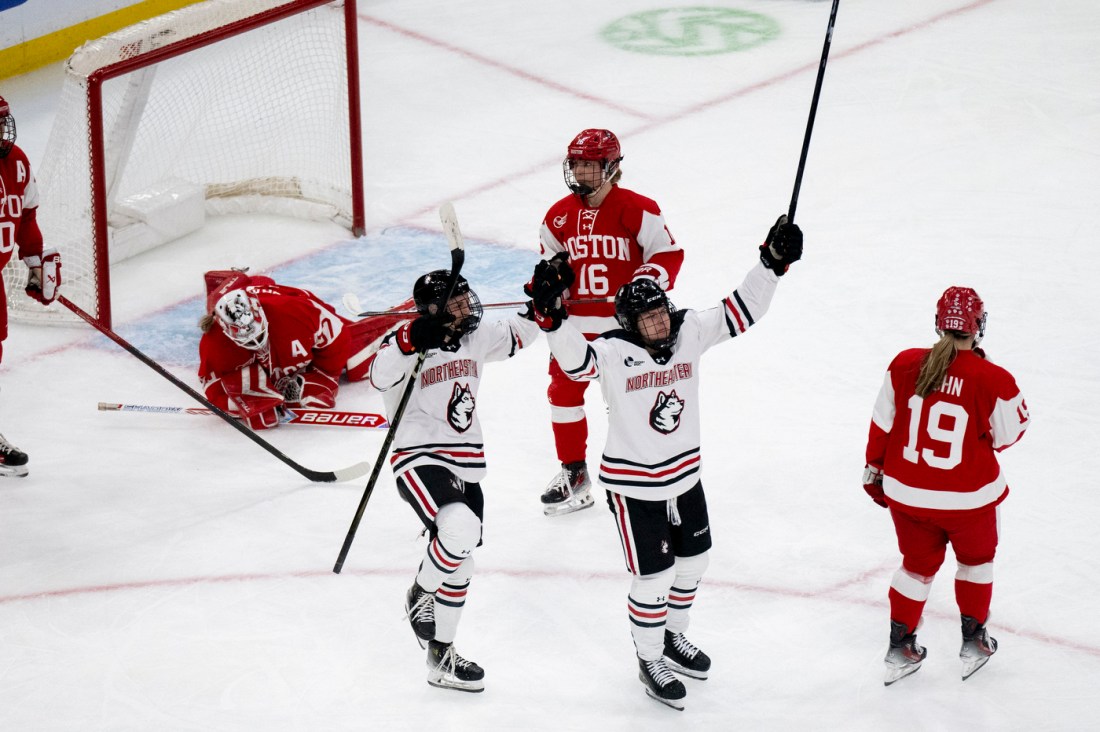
938,453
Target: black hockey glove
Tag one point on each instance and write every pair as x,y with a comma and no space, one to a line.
549,319
783,247
551,279
424,333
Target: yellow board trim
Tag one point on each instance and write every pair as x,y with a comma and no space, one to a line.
59,45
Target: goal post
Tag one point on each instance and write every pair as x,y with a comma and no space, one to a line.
224,106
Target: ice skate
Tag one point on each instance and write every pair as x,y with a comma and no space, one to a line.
661,684
977,646
569,491
685,658
420,610
448,670
13,461
905,655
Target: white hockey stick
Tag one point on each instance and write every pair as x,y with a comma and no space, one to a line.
324,417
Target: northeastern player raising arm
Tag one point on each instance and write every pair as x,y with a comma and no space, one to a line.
651,466
438,458
612,236
19,226
942,415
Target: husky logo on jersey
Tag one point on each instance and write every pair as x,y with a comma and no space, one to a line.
665,414
460,410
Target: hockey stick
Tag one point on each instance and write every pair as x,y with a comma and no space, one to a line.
351,302
317,476
458,256
813,111
323,417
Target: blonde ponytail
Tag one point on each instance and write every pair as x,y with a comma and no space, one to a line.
934,367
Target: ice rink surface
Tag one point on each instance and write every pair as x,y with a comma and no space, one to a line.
163,573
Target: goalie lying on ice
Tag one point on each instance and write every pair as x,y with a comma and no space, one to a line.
277,346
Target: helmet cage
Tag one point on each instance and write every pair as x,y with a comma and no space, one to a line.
592,145
464,305
242,319
638,298
7,129
960,310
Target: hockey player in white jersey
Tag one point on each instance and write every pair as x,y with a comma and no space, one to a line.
651,465
438,458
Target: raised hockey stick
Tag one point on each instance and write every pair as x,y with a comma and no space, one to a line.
322,417
317,476
458,256
813,111
351,302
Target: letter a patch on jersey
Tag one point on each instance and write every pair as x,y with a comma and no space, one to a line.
297,349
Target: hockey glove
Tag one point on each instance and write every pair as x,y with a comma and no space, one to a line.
872,483
44,277
783,247
551,279
424,333
548,319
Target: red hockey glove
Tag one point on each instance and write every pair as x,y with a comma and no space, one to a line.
44,277
783,246
548,319
872,483
318,390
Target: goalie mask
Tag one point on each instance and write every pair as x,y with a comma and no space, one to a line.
464,305
643,308
600,146
242,319
7,129
961,310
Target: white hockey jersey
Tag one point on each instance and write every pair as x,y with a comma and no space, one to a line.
652,450
440,425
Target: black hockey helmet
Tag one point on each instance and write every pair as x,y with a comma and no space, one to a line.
641,296
464,305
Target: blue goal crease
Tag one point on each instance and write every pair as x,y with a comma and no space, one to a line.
380,269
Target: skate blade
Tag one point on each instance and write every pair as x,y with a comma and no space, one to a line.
18,471
470,686
685,671
677,704
572,506
897,673
971,666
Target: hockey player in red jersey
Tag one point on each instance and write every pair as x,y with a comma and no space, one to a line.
438,458
612,236
266,347
651,463
19,226
941,417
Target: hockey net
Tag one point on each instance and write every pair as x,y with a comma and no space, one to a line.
225,106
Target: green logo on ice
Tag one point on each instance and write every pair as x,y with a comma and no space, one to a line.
693,31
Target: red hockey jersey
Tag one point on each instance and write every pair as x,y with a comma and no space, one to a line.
608,246
939,453
18,217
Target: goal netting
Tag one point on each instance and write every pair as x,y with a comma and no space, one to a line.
225,106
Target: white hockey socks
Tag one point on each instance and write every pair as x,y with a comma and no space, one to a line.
647,606
681,596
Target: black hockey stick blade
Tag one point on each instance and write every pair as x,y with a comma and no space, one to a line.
317,476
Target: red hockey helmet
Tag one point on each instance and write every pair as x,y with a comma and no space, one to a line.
961,310
7,128
592,144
